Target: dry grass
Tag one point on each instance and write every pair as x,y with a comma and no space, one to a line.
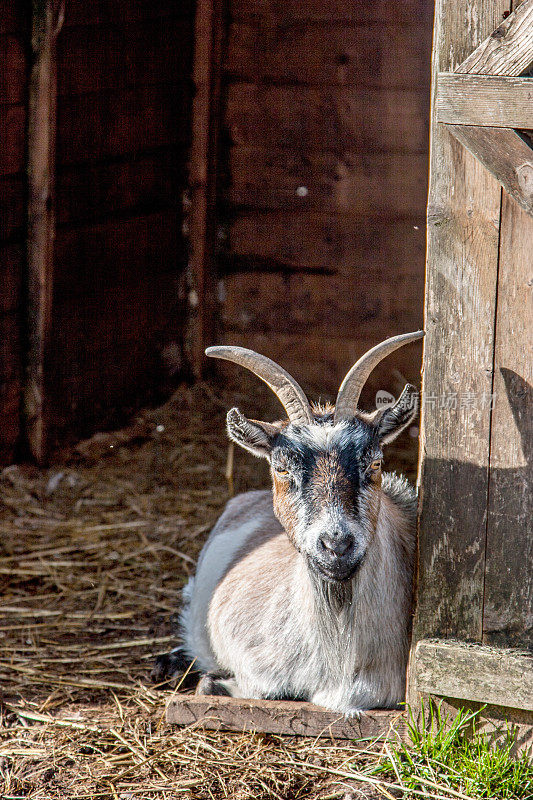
94,553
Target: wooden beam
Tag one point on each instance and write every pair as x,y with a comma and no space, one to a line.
46,24
493,100
505,154
283,717
509,48
474,672
507,51
205,115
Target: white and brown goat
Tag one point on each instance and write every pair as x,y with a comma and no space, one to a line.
305,592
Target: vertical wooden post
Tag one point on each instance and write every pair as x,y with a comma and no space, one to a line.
508,590
508,595
46,23
461,279
202,231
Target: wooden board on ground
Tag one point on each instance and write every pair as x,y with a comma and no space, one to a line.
283,717
485,674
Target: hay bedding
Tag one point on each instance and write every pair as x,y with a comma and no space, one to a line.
94,552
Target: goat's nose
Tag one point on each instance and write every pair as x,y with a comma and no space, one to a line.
336,545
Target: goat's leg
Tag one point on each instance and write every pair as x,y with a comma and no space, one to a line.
217,683
344,700
172,665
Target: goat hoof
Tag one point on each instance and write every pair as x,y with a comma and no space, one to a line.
211,683
354,713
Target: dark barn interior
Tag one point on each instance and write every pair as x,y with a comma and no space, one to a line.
124,91
249,172
175,175
311,248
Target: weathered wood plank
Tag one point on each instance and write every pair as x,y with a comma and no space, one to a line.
106,13
97,365
15,18
12,217
333,11
97,126
389,184
139,185
10,384
344,244
462,258
508,608
494,100
116,251
15,28
327,119
282,717
495,721
287,303
387,56
13,138
124,105
505,154
101,355
509,48
320,362
317,173
474,672
11,273
99,58
507,51
13,72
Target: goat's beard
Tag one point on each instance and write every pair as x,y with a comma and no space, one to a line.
333,594
333,617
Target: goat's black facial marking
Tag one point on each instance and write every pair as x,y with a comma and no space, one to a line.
326,480
326,494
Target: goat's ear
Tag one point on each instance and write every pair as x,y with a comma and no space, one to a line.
394,419
257,437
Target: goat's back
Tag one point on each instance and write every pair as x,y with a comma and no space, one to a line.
245,522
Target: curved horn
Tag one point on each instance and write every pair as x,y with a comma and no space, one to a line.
288,392
352,385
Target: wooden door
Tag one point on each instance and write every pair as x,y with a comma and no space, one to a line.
475,568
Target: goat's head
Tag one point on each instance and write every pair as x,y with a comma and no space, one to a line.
325,462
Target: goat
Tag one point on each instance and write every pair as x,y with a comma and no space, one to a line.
305,592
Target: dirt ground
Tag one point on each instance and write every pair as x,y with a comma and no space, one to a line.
94,551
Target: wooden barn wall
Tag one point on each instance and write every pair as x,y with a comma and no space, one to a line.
323,192
124,96
14,38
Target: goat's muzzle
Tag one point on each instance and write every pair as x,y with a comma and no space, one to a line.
337,556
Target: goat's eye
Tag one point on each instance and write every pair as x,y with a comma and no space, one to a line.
375,465
281,471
